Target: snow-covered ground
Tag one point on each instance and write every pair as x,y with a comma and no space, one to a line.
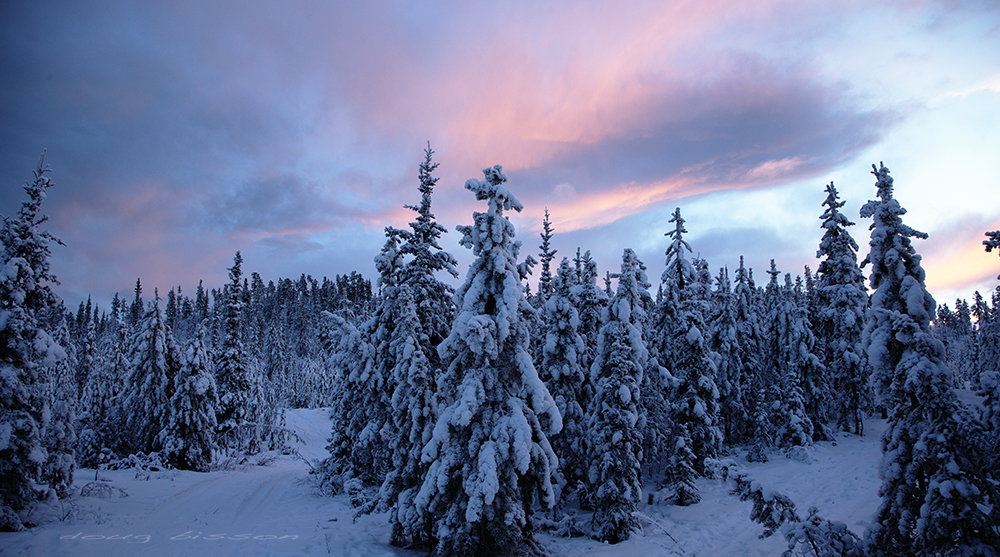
273,509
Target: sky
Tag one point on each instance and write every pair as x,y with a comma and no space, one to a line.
180,132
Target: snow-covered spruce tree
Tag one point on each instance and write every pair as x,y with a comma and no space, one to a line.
25,347
374,389
988,387
188,437
433,298
263,426
352,361
59,435
933,496
987,359
591,305
790,357
269,433
841,299
137,309
413,413
278,362
761,429
815,385
562,372
536,329
232,371
615,439
144,402
93,402
412,318
424,309
676,278
729,377
102,417
88,358
749,342
174,357
694,411
489,458
986,337
682,471
545,257
696,401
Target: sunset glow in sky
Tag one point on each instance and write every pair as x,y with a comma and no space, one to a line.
180,132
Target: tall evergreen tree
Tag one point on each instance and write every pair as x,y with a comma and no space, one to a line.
562,371
414,411
188,436
138,308
696,404
762,429
171,313
59,437
201,303
695,411
545,257
278,362
812,371
790,350
749,343
591,305
489,458
933,496
615,441
435,306
144,402
987,361
678,275
93,399
841,299
352,361
86,349
232,371
729,377
406,340
25,347
374,388
102,419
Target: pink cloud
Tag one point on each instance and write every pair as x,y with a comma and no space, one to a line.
958,262
200,126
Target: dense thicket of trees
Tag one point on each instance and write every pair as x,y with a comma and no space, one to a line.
465,412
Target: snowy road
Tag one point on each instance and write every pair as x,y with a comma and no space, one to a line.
257,510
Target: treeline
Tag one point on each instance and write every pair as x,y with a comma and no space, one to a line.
463,412
259,345
279,326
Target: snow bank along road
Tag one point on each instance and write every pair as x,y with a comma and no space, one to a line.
274,510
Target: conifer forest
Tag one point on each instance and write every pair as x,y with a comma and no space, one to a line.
473,411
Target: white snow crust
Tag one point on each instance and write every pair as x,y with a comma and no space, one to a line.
274,509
